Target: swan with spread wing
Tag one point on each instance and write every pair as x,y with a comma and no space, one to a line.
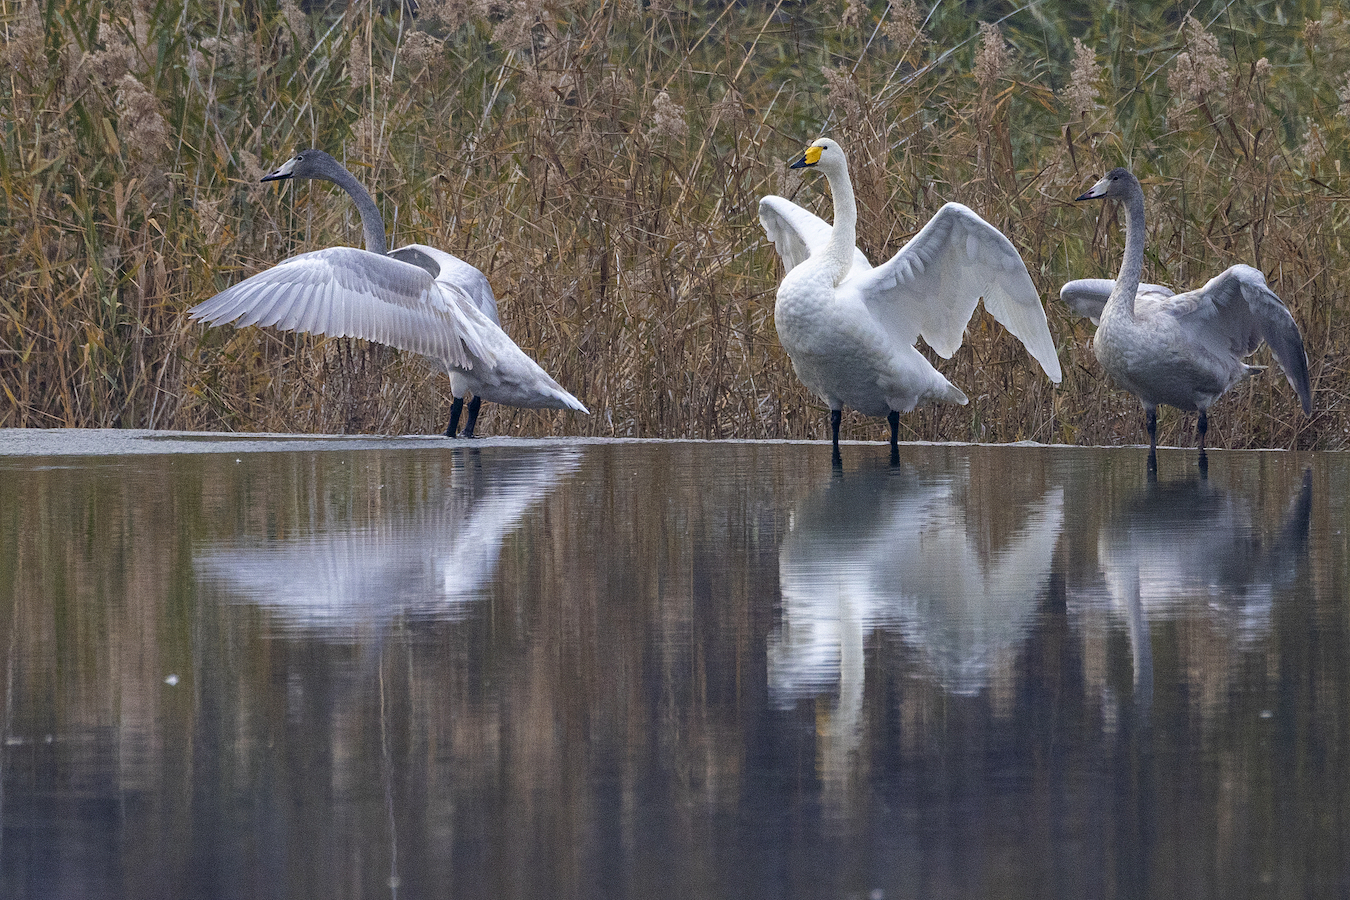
1182,350
415,298
850,329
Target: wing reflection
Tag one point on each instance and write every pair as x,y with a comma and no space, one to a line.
433,558
1189,542
918,557
1189,550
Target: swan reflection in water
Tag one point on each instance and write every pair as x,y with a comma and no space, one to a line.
1190,550
895,551
433,560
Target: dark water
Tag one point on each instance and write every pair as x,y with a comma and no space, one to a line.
674,670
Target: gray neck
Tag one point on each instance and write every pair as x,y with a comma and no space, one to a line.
372,223
843,232
1132,266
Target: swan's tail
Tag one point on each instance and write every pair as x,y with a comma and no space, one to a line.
540,394
567,401
949,393
548,394
940,391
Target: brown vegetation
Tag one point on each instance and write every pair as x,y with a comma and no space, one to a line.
602,163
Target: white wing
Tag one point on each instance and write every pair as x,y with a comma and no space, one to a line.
929,289
1234,312
1088,296
346,292
797,233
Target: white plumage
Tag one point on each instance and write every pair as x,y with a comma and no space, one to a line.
850,329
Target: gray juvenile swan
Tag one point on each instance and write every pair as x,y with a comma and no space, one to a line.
414,298
850,329
1182,350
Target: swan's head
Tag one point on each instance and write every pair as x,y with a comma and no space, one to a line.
307,164
824,153
1116,185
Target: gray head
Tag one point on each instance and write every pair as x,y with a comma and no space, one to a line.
1116,185
309,164
319,165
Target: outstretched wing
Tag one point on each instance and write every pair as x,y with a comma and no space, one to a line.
1234,312
346,292
929,289
797,233
1088,296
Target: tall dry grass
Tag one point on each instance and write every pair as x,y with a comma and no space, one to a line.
602,161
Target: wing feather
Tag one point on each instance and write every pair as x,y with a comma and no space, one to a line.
264,309
929,289
1234,312
797,233
343,290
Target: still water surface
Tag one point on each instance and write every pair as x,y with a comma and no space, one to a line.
674,670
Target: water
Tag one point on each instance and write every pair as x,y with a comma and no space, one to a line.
673,670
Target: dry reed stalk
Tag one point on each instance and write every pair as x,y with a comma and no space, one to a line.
602,163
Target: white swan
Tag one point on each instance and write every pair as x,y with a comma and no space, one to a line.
414,298
850,329
1182,350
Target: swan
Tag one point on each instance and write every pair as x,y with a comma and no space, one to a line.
850,329
414,298
1182,350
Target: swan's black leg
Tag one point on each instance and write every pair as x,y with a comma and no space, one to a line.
893,417
1151,421
835,416
1202,426
455,408
474,404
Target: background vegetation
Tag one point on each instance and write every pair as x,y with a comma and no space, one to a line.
601,161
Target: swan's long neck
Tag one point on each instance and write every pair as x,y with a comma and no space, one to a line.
844,233
372,223
1132,266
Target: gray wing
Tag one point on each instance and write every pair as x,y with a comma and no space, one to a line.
797,233
346,292
929,289
454,272
1087,296
1234,312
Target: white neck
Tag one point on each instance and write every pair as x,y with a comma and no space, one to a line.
843,236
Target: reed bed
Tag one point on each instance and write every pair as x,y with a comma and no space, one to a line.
602,162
